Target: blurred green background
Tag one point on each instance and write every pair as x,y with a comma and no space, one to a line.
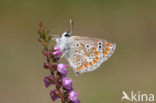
131,24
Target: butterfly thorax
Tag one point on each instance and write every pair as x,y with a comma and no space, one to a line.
62,42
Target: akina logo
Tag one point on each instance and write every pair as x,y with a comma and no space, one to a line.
137,97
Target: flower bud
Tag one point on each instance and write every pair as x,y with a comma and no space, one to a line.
57,53
44,44
72,96
40,40
57,58
54,95
67,83
47,65
40,23
46,53
57,48
48,81
61,68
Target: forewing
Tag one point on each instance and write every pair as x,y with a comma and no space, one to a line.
86,54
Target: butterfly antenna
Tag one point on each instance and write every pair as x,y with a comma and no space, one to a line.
71,26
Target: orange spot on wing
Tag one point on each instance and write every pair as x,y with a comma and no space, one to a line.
91,63
108,44
104,53
94,61
86,65
94,48
107,49
96,53
79,68
97,58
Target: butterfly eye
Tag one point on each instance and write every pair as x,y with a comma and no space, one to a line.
67,35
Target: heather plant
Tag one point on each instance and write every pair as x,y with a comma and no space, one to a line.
58,71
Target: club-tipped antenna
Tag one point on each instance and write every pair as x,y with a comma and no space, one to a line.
71,26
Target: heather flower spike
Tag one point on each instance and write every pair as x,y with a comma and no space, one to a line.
58,71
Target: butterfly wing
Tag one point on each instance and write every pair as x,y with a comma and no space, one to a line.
86,54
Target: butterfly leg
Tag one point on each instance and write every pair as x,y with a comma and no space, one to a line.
64,53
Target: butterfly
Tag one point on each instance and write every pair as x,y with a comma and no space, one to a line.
84,54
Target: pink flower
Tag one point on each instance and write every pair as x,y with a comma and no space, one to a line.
57,48
72,96
48,81
54,95
61,68
57,53
67,83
